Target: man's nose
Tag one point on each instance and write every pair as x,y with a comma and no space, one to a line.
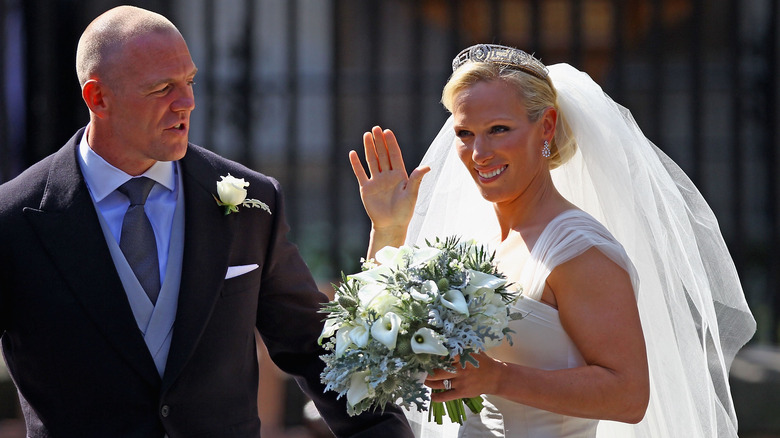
185,101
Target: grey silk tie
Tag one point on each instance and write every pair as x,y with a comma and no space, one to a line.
137,238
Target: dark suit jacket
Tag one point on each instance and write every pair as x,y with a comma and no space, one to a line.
76,353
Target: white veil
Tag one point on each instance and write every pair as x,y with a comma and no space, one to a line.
693,310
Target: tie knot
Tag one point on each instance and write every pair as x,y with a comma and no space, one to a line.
137,189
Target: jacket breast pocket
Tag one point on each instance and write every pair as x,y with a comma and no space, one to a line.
246,282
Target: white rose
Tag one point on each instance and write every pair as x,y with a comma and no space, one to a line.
384,303
368,292
347,336
232,190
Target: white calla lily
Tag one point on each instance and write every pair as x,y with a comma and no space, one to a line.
359,335
454,299
358,388
385,329
372,275
424,255
394,257
479,280
343,340
421,295
428,341
391,256
331,325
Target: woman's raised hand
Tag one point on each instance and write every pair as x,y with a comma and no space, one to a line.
389,194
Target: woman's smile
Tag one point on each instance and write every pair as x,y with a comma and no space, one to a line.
493,173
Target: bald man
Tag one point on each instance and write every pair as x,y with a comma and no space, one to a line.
128,298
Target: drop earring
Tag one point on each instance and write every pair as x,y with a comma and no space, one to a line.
546,149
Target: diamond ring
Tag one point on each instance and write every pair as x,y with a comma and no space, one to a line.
447,384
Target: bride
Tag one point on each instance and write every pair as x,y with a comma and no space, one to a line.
634,308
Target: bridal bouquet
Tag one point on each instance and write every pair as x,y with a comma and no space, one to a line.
409,312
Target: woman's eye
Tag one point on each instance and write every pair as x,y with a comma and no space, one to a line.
462,133
499,129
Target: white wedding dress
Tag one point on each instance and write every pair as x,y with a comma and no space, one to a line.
539,340
693,311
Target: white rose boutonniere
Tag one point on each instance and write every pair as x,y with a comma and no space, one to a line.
231,193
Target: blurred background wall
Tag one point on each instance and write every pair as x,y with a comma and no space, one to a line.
287,87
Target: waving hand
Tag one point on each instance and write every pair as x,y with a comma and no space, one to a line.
389,194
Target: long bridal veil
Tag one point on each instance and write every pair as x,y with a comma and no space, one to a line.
693,310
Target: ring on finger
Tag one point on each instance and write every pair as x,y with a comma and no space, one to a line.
447,384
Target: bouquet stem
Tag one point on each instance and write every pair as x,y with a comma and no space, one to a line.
454,409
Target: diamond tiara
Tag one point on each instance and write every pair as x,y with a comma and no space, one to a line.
503,55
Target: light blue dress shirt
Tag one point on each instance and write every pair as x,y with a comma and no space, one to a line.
102,181
165,208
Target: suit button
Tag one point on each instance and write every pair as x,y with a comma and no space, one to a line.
165,411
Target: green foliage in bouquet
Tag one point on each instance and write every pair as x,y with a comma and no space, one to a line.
410,311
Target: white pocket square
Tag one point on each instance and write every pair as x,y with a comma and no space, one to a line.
235,271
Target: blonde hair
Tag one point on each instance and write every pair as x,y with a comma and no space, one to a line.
536,95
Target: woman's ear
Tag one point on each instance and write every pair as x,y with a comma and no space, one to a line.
93,94
549,121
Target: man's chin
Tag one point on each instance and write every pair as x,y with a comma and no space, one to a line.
176,152
183,151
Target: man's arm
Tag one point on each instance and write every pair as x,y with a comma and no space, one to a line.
290,324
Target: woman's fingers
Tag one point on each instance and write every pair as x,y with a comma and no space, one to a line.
380,146
468,381
382,151
446,382
415,179
370,152
357,168
394,156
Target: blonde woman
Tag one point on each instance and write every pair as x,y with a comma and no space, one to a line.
624,272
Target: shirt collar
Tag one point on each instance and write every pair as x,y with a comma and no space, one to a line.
102,178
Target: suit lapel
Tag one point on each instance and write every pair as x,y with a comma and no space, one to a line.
67,222
208,235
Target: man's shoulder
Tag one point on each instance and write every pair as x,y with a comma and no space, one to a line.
30,185
198,156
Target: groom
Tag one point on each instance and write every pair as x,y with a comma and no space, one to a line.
128,298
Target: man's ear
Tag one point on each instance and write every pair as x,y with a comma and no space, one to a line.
93,93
